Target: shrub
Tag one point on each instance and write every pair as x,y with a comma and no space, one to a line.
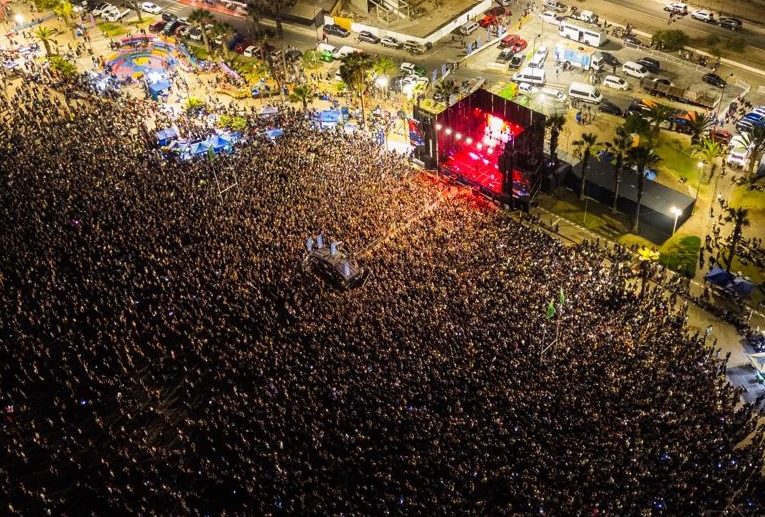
682,256
737,44
62,66
671,40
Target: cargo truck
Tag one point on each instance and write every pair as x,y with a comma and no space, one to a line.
675,93
579,57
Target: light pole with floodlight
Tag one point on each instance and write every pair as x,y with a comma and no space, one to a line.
676,212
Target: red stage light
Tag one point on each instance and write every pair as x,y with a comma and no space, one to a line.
490,150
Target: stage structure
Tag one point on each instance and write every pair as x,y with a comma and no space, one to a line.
484,141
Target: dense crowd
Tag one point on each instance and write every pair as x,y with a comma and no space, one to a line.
165,349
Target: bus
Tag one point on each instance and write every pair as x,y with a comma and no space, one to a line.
586,35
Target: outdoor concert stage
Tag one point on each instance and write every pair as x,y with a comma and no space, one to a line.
486,142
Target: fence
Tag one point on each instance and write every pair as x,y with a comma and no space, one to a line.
669,57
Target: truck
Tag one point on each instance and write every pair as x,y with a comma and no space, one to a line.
586,16
583,33
675,93
579,57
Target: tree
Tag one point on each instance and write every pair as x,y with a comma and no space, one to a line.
671,40
641,157
709,151
384,65
637,125
45,36
445,88
754,139
618,147
740,219
275,9
585,148
699,123
555,123
65,10
200,19
656,116
303,93
224,31
63,66
194,105
355,71
311,59
137,8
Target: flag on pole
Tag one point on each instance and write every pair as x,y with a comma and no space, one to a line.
550,310
561,298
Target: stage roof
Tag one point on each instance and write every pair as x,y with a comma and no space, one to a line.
656,196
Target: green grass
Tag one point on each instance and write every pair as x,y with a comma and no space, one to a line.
199,51
677,165
112,30
681,253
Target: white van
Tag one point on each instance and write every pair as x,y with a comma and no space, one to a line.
530,75
469,28
739,154
585,92
345,50
326,51
538,60
634,69
617,83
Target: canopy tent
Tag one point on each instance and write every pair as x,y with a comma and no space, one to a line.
741,286
199,147
275,133
156,88
718,276
758,361
219,143
269,110
165,136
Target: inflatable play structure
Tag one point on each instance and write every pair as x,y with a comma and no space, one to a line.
140,56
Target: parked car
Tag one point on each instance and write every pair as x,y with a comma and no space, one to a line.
168,17
368,37
509,40
468,28
650,64
413,47
610,108
556,6
488,20
251,51
196,34
109,11
118,15
714,80
676,8
99,8
525,88
721,136
551,17
505,55
183,30
617,83
170,27
516,61
732,24
390,42
412,69
293,54
703,15
335,30
151,8
632,40
519,45
610,59
157,26
497,10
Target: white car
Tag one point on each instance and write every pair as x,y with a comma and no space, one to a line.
676,8
109,11
250,51
617,83
408,68
148,7
117,15
99,8
703,15
551,17
390,42
526,89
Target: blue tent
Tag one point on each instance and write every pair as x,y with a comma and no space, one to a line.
166,136
156,88
741,286
329,116
219,143
718,276
273,134
199,148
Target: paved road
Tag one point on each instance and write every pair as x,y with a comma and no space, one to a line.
648,15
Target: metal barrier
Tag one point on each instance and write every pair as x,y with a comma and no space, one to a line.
668,57
743,85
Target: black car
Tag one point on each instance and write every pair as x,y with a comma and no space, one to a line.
610,59
650,64
714,80
632,40
169,17
505,55
368,37
336,30
732,24
610,108
170,27
516,61
293,54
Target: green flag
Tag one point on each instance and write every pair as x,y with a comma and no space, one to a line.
550,310
561,298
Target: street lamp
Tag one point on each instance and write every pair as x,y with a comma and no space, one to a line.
19,19
722,96
701,173
676,212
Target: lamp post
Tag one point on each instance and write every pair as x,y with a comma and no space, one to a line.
438,127
722,96
701,173
676,212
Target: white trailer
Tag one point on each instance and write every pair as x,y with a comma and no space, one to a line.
579,32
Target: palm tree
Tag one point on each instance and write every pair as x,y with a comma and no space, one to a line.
200,18
446,88
618,147
709,151
45,36
641,157
65,10
275,9
555,123
384,65
699,123
311,59
224,31
585,148
636,124
754,139
303,93
355,70
740,218
656,116
194,105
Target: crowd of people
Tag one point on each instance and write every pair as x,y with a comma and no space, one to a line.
165,349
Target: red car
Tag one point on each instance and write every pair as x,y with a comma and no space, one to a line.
519,45
488,21
509,40
721,136
497,10
157,26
